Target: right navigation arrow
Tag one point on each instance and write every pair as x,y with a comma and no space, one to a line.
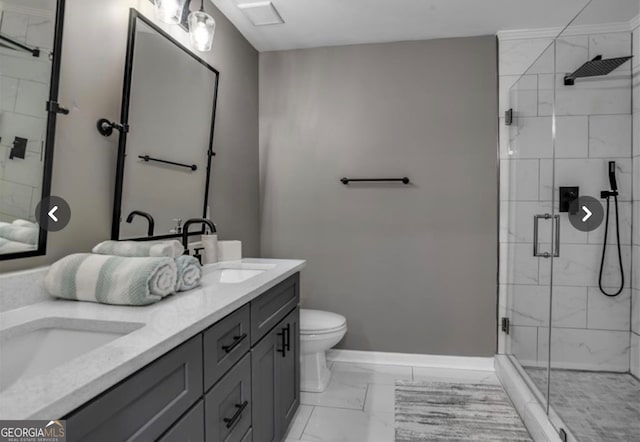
588,214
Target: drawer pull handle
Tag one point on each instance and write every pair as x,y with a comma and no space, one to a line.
283,336
232,420
287,337
236,341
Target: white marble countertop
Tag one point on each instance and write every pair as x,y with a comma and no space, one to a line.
164,325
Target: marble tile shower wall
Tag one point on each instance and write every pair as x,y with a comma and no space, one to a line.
24,89
593,126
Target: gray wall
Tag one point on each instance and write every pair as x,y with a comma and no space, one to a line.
91,85
412,268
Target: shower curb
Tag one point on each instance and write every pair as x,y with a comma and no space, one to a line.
524,401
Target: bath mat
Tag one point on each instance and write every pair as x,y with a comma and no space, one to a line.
455,412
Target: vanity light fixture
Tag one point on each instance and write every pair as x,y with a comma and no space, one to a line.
201,29
169,11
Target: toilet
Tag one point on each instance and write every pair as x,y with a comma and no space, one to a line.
319,331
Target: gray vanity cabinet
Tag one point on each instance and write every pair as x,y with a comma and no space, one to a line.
236,381
275,372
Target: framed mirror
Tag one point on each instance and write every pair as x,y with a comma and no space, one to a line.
30,48
166,135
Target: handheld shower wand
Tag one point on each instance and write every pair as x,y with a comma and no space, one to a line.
612,176
613,185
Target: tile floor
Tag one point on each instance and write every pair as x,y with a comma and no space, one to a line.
594,405
358,404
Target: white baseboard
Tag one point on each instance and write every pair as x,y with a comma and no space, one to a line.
414,360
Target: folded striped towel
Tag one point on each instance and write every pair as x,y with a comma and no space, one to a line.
27,235
189,273
171,249
112,279
8,246
24,223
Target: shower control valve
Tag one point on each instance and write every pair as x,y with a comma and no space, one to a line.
569,197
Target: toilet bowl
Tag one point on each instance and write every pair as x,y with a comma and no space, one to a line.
319,331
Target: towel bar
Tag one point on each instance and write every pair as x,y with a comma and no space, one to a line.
346,181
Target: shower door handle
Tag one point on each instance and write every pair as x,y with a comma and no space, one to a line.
556,228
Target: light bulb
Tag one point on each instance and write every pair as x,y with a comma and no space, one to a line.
201,29
201,36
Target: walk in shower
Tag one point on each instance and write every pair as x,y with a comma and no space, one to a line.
570,154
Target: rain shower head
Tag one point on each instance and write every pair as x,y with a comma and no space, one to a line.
595,68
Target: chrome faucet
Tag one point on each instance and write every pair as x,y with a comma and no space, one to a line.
145,215
185,230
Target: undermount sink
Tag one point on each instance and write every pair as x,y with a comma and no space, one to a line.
236,273
39,346
235,276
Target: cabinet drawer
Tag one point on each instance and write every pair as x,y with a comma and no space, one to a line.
190,428
144,405
224,344
228,405
271,307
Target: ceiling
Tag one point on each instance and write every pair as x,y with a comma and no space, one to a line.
316,23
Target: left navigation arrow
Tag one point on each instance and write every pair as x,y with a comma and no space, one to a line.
51,214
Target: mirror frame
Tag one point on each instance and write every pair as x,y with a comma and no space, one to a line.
134,15
52,118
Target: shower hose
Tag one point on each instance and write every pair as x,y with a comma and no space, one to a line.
604,248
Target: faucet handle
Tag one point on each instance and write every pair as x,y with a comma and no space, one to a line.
178,227
197,254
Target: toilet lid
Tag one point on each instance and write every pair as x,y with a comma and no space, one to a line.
318,321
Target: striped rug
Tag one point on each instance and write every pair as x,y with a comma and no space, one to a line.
455,412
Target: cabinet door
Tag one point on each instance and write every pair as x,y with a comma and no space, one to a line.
288,371
263,387
275,376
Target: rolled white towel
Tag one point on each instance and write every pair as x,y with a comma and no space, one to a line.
189,273
8,246
27,235
24,223
170,249
112,279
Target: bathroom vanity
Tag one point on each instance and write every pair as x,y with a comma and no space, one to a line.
219,363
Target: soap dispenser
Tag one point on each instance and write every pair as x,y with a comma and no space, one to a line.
210,245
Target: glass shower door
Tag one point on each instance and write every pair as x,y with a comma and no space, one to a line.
592,394
527,219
